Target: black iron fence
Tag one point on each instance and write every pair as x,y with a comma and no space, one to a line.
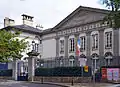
64,71
6,72
59,62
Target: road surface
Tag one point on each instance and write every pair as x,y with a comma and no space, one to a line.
24,84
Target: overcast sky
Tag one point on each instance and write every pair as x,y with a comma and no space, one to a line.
46,12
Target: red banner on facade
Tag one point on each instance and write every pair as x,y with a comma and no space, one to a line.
104,73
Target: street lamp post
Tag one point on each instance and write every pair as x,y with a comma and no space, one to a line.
94,65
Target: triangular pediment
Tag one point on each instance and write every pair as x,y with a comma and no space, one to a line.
81,15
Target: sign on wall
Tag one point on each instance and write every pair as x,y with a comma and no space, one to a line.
86,68
104,73
82,61
116,74
111,74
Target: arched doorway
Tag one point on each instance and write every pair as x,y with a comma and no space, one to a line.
108,58
71,60
95,60
82,60
61,61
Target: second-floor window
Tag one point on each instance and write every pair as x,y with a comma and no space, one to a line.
71,45
61,46
82,39
35,47
94,41
108,39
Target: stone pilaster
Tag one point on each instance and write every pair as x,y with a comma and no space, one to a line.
115,42
57,47
116,60
88,45
101,42
66,46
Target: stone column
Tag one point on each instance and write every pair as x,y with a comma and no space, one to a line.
15,69
101,48
88,45
66,46
116,47
115,42
101,42
57,47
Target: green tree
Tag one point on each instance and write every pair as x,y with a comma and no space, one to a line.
113,17
11,46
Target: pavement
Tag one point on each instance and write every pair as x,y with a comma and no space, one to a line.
78,84
12,83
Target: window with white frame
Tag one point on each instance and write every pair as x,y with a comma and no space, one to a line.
94,41
61,46
82,39
36,47
108,39
71,45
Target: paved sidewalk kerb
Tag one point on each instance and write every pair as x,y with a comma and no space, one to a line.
51,83
76,84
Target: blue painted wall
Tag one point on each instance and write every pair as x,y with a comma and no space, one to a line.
3,66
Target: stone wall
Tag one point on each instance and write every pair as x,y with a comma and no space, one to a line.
2,78
62,79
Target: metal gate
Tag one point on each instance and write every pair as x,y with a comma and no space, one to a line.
22,73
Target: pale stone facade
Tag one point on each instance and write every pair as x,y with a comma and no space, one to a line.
99,43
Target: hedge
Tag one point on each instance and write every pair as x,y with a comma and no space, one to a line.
63,71
6,72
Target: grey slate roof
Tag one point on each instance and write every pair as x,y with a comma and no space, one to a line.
27,28
50,30
47,31
30,29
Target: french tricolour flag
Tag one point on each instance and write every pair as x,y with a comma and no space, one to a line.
78,47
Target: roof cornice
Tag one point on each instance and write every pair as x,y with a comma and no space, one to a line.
104,11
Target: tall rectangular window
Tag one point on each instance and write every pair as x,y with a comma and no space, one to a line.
108,39
36,47
61,46
83,43
94,41
71,45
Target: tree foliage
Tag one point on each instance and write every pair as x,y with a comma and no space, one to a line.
11,46
113,17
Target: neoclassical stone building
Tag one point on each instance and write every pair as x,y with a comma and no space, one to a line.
99,44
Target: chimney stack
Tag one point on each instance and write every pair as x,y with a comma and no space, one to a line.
27,20
39,26
8,22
